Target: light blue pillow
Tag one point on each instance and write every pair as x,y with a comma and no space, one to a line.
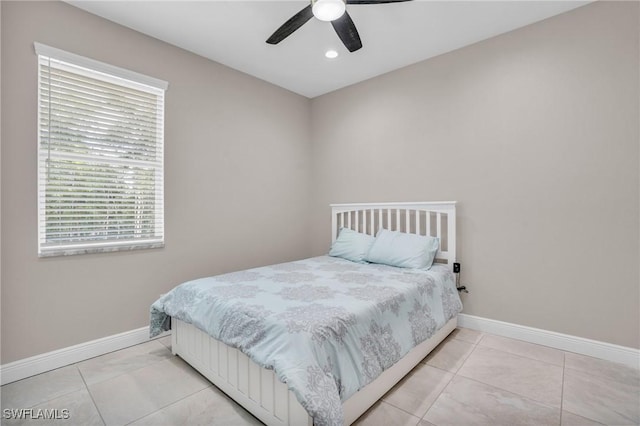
403,250
351,245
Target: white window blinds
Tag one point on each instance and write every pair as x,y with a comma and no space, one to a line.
100,156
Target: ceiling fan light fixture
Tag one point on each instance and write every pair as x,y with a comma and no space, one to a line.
328,10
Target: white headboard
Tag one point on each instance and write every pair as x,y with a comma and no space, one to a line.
437,219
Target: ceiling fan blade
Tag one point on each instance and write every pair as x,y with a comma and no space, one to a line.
346,30
374,1
295,22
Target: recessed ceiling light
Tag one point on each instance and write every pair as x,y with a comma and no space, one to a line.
331,54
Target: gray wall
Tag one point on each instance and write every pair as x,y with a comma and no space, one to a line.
535,133
236,181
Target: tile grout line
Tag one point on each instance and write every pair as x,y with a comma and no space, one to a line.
36,375
90,395
123,372
176,401
475,346
453,376
455,373
523,356
592,420
562,399
512,392
208,385
434,401
401,409
467,341
467,357
482,336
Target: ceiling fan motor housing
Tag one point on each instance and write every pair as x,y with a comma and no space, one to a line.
327,10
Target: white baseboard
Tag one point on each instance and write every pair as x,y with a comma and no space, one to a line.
565,342
37,364
31,366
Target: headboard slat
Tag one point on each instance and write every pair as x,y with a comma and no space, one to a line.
364,222
373,222
445,212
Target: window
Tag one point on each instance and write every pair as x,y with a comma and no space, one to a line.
100,156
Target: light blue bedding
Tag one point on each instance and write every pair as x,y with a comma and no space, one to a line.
325,325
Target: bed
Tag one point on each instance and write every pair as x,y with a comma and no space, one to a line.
320,340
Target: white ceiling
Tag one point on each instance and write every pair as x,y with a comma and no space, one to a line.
393,35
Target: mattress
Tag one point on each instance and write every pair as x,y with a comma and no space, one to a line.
326,326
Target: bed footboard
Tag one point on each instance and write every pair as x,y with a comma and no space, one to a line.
257,389
261,393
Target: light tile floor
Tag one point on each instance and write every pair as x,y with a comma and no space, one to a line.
470,379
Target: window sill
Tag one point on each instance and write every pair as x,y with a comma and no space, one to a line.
102,248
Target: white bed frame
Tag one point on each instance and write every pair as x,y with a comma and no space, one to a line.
259,390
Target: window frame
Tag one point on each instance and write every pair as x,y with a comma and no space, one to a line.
91,68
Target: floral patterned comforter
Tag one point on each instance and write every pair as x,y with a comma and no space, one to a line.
326,326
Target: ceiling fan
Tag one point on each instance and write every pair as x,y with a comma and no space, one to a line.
333,11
